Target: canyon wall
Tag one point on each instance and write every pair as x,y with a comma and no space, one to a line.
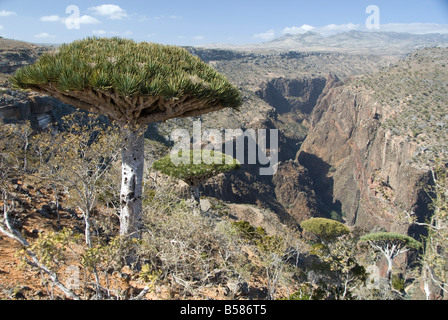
359,167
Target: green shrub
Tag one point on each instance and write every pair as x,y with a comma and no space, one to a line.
307,292
271,244
398,283
195,174
325,229
247,231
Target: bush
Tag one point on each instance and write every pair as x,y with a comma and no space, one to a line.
307,292
195,174
325,229
398,283
248,232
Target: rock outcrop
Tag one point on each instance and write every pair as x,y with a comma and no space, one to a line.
16,54
17,105
294,190
40,110
292,95
359,168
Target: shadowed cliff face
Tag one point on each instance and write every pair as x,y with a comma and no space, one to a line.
292,95
40,110
358,166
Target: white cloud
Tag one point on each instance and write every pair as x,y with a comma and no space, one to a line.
88,20
326,30
110,11
112,33
44,35
268,35
199,37
414,28
99,32
337,28
298,30
1,27
121,34
143,18
82,20
5,13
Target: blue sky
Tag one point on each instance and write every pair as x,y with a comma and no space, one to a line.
197,22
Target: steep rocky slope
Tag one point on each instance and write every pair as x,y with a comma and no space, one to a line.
15,105
40,110
15,54
287,95
374,139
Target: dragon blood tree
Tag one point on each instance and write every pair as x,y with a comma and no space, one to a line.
390,245
194,173
133,84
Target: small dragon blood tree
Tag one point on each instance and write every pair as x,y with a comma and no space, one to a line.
194,173
133,84
391,245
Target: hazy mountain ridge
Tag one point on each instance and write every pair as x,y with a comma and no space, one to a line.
351,42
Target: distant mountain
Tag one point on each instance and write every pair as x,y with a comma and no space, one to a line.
352,41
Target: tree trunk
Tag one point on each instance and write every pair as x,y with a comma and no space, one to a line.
132,182
426,287
88,233
389,270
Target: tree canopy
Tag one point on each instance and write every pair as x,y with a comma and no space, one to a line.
133,84
326,229
194,174
385,238
130,82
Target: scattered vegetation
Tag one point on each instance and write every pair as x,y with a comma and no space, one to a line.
413,92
